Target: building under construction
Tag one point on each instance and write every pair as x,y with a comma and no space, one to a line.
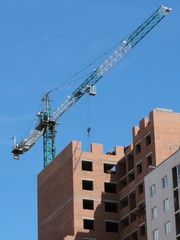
101,196
96,195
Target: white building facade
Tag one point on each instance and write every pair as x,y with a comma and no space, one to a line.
162,196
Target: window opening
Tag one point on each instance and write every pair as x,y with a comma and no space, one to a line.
124,202
142,230
142,208
177,219
134,236
133,217
155,234
176,199
139,168
138,148
110,206
130,160
167,227
109,168
88,204
88,224
166,204
110,187
131,176
149,160
132,200
175,180
140,188
148,139
124,222
153,190
164,181
87,185
154,213
87,165
123,182
111,226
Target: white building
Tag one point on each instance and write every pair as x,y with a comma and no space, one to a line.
162,194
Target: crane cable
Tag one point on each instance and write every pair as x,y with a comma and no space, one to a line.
88,123
69,80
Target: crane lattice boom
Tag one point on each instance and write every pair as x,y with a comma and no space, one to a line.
49,121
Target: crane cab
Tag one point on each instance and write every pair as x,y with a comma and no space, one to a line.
43,120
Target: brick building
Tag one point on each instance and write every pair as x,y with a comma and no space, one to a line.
100,196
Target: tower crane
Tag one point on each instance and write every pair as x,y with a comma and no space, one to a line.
48,119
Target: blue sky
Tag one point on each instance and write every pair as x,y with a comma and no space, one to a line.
42,44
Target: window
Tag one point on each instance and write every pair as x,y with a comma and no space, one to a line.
142,207
133,217
154,212
88,204
110,187
178,170
140,188
123,202
149,160
134,236
88,224
167,227
166,204
176,199
164,181
139,168
142,229
87,185
176,176
124,222
110,206
138,148
155,235
131,176
87,165
153,190
130,161
132,200
174,173
111,226
123,182
109,168
148,139
177,219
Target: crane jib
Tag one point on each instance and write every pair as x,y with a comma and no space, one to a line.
147,26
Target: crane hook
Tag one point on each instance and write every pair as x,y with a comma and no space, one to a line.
88,130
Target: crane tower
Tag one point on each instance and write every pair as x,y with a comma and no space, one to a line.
48,119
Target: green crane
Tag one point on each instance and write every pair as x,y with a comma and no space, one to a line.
48,120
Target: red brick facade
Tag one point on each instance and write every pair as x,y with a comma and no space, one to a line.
81,196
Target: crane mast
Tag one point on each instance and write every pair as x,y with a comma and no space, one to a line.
48,120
